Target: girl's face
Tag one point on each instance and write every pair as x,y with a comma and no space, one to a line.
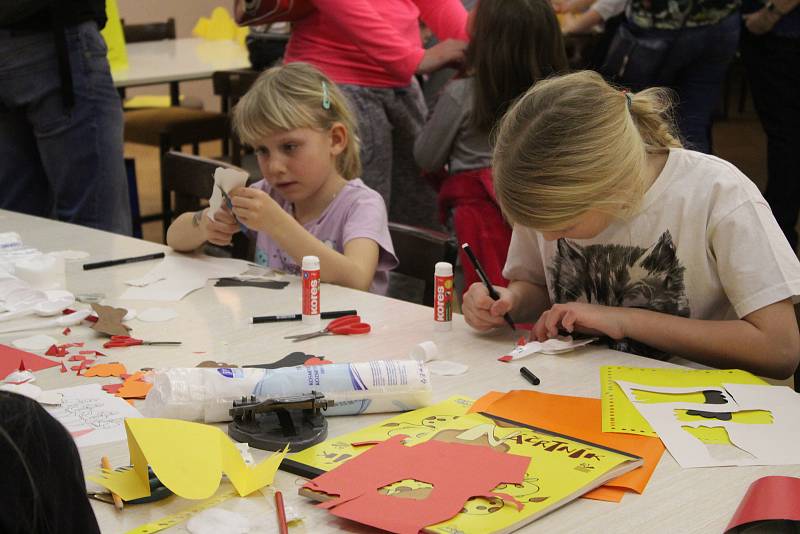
585,226
299,163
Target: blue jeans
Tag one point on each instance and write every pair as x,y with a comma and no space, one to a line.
55,161
695,69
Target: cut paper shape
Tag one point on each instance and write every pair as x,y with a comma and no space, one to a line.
19,377
438,463
763,444
556,345
55,350
112,388
619,415
188,458
228,180
109,320
106,369
157,315
292,359
447,368
134,389
37,342
768,498
66,331
12,359
579,417
220,26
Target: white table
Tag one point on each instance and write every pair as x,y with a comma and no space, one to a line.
214,320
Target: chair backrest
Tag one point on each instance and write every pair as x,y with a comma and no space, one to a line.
230,86
152,31
191,180
418,250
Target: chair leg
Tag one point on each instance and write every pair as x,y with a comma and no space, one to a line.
174,94
196,148
166,197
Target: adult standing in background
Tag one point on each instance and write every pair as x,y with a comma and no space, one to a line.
60,116
372,49
771,53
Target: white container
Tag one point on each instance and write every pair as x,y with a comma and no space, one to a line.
443,297
311,291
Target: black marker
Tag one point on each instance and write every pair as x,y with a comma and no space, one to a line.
530,377
486,282
122,261
297,316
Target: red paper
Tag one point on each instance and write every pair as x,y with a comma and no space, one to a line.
66,331
456,471
767,498
112,388
76,358
56,351
63,368
12,359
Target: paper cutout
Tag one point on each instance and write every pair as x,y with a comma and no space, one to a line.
447,368
356,482
134,389
112,388
157,315
220,26
556,345
579,417
176,276
12,359
106,369
292,359
63,368
19,377
228,180
84,365
56,351
768,498
37,342
66,331
188,458
750,443
109,320
619,415
265,284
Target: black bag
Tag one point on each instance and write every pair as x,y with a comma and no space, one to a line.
635,61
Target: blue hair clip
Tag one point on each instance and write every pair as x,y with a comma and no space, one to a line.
326,97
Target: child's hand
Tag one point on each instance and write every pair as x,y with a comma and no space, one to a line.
448,53
481,311
219,231
580,317
253,207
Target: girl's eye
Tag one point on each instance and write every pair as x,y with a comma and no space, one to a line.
288,147
261,151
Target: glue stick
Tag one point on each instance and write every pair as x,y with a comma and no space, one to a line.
443,297
311,290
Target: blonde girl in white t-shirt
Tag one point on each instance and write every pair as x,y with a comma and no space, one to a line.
620,232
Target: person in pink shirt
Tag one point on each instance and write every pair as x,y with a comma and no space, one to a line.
372,49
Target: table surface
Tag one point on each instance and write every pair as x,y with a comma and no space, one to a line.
214,321
177,60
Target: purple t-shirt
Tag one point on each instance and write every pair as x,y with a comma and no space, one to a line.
357,211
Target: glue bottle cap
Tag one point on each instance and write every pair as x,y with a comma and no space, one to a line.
310,263
443,269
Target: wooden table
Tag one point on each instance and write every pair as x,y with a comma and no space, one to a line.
214,321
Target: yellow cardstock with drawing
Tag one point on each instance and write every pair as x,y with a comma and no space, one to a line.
188,458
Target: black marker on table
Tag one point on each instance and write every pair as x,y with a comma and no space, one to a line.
486,282
122,261
530,377
297,316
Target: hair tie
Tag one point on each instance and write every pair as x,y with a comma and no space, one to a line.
326,97
628,98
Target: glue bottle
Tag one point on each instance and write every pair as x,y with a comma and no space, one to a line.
443,297
310,280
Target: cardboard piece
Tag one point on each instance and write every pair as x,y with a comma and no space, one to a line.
12,359
109,320
106,369
768,498
440,464
188,458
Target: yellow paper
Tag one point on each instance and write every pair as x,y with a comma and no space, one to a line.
220,26
188,458
114,37
619,415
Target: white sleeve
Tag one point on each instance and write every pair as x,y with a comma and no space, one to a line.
524,260
609,8
755,263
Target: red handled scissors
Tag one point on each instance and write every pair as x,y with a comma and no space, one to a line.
342,326
128,341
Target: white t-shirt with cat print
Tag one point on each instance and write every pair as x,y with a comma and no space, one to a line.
703,245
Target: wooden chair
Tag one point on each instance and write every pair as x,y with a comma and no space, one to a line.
230,86
418,250
190,179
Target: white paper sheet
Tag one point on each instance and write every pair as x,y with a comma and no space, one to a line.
556,345
228,179
91,415
758,444
178,275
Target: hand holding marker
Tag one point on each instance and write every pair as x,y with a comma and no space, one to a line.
486,282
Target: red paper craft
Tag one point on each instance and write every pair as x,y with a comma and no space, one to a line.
112,388
84,364
63,368
66,331
456,471
70,345
317,360
56,351
76,358
768,498
12,359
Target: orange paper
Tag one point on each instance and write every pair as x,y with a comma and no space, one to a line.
579,417
134,389
106,369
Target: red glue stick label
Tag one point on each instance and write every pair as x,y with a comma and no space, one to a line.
443,298
311,292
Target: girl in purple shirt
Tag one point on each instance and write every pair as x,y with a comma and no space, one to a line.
310,202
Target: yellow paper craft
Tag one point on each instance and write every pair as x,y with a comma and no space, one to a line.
188,458
619,415
114,38
220,27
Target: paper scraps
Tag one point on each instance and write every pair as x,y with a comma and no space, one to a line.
356,482
157,315
188,458
228,180
37,342
772,498
109,320
749,424
106,369
12,359
556,345
265,284
428,352
132,386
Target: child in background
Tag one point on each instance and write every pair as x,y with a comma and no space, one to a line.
310,201
588,13
618,231
515,43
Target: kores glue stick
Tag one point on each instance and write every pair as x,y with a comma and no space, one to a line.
443,296
311,290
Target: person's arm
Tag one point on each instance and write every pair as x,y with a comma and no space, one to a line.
763,20
190,230
435,142
572,6
354,268
447,19
581,23
766,341
525,301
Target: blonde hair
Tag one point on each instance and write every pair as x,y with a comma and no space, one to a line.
571,144
292,96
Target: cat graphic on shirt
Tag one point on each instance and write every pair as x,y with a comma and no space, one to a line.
622,275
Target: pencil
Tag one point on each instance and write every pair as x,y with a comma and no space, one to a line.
486,282
105,464
283,528
122,261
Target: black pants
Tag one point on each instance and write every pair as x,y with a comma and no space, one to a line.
773,70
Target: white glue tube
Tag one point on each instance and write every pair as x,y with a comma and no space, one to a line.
311,293
203,394
443,297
